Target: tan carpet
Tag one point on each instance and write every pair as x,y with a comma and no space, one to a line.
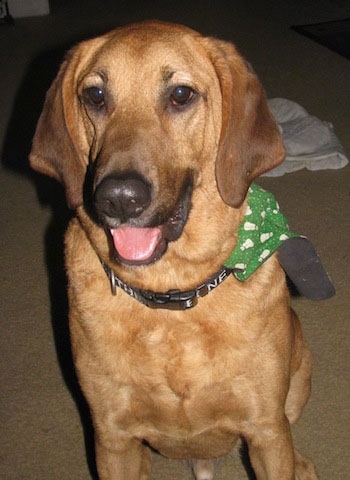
42,413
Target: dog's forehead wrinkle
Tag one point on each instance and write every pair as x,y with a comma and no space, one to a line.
167,74
177,76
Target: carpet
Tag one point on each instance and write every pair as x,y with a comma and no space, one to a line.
334,35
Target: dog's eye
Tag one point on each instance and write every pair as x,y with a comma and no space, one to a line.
181,96
94,96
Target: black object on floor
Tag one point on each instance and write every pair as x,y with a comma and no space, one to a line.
334,35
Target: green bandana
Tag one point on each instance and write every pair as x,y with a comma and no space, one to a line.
262,231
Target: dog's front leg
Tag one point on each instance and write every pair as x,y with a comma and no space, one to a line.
271,453
131,462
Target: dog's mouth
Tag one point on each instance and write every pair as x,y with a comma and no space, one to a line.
135,245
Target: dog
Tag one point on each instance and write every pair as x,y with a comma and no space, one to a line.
157,133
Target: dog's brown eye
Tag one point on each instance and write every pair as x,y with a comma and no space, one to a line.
181,96
94,96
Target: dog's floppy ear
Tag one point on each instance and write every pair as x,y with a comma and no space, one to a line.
250,142
58,150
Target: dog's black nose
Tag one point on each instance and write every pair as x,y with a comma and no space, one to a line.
121,198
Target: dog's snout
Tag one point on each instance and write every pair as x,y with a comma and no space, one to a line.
122,198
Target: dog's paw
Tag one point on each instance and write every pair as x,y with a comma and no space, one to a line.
204,469
304,469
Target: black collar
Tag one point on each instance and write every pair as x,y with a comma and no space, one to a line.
173,299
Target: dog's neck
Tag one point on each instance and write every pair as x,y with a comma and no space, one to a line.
262,232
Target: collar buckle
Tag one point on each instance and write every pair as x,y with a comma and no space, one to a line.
172,300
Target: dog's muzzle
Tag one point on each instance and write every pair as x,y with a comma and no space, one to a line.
119,204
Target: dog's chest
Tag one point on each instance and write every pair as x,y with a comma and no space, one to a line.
175,385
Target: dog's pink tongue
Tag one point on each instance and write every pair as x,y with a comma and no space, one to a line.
136,244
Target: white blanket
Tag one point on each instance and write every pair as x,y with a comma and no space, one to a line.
310,143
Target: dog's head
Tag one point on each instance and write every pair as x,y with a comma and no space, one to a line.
145,123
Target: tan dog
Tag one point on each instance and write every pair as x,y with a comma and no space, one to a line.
156,133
